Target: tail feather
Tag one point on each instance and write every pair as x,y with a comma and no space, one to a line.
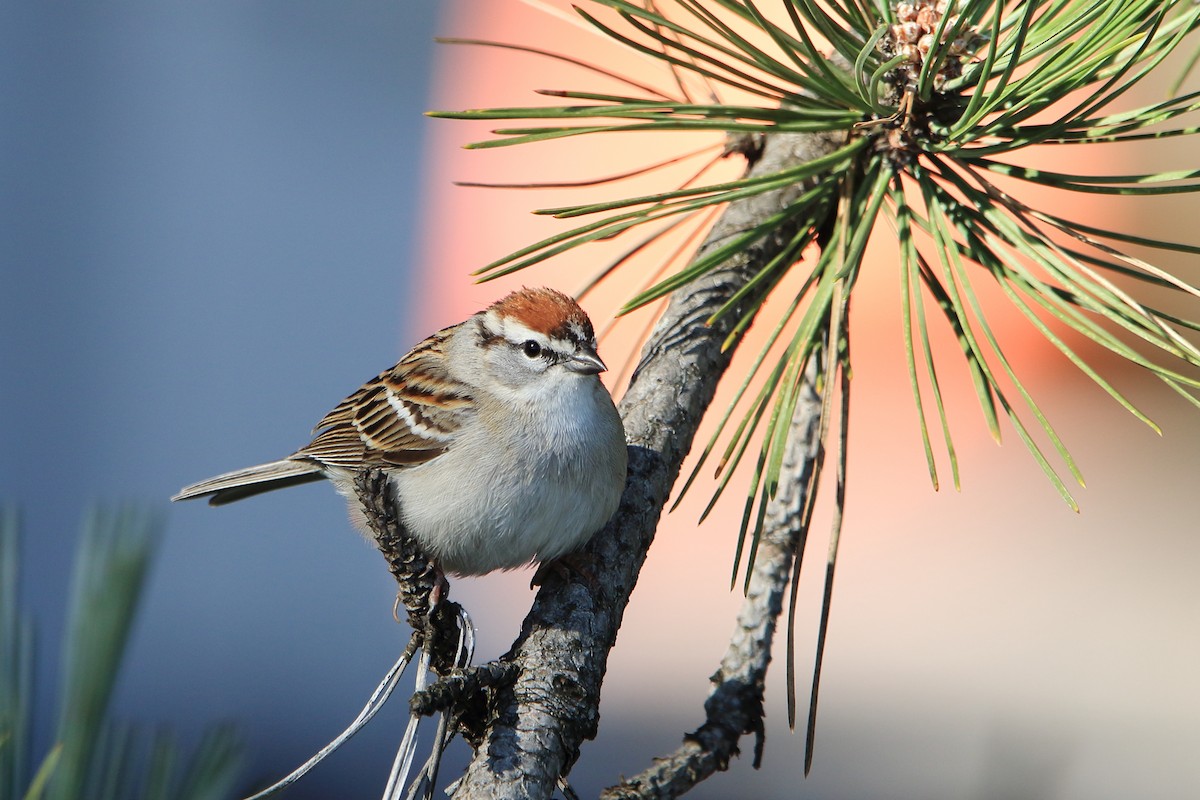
251,481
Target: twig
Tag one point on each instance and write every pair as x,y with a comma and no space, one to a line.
735,706
538,723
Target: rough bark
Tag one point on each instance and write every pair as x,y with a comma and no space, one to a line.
537,724
735,706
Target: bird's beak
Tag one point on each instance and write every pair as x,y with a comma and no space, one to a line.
585,362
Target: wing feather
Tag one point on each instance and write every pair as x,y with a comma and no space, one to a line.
404,416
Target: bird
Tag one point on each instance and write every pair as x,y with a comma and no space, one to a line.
501,444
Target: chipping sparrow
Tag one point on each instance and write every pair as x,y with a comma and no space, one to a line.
503,446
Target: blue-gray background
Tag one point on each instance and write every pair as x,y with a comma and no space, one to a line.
201,202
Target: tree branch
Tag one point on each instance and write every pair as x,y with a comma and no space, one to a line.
735,705
537,725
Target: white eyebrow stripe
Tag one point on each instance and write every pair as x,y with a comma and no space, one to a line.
402,410
517,332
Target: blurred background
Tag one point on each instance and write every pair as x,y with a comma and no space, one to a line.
220,218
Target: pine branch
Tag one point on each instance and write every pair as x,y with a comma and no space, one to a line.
537,725
735,706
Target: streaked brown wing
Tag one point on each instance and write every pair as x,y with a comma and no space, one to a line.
405,416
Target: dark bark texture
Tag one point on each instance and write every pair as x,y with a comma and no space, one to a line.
537,724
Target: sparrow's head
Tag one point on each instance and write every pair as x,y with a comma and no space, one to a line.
535,332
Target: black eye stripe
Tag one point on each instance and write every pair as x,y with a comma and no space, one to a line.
487,338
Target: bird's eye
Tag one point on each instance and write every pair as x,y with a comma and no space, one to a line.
531,349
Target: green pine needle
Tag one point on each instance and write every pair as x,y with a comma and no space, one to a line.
94,756
923,134
938,127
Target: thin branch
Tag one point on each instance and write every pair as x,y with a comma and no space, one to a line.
735,706
537,725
